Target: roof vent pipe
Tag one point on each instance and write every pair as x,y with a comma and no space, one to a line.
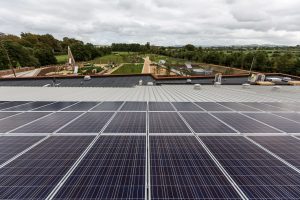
197,87
246,86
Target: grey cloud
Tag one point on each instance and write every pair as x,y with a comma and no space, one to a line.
165,22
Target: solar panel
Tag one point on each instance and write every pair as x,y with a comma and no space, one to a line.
127,122
291,116
48,124
257,173
244,124
160,106
294,104
134,106
186,106
88,123
210,106
181,169
286,147
237,106
55,107
108,106
205,123
11,146
34,174
277,122
286,106
7,114
263,107
19,120
114,168
163,122
81,106
11,104
29,106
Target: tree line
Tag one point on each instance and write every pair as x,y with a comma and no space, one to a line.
280,60
39,50
133,47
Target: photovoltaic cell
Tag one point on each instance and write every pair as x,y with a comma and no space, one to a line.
56,106
256,172
286,106
29,106
114,168
291,116
210,106
294,104
7,114
35,174
134,106
237,106
163,122
181,169
88,123
11,104
263,107
127,122
186,106
108,106
81,106
12,145
160,106
19,120
48,124
244,124
277,122
205,123
286,147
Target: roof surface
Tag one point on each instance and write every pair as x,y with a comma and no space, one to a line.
128,80
149,142
154,93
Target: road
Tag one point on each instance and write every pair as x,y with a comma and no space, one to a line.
24,74
147,67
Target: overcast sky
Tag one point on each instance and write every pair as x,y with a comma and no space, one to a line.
162,22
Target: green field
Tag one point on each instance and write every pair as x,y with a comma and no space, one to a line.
129,69
118,58
62,59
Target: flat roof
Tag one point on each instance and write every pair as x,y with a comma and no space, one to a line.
131,80
230,93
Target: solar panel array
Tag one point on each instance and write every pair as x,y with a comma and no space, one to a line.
149,150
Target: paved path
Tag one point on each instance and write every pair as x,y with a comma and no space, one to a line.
24,74
147,67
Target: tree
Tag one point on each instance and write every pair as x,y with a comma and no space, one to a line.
79,52
190,47
4,63
20,55
69,42
148,47
45,56
29,39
